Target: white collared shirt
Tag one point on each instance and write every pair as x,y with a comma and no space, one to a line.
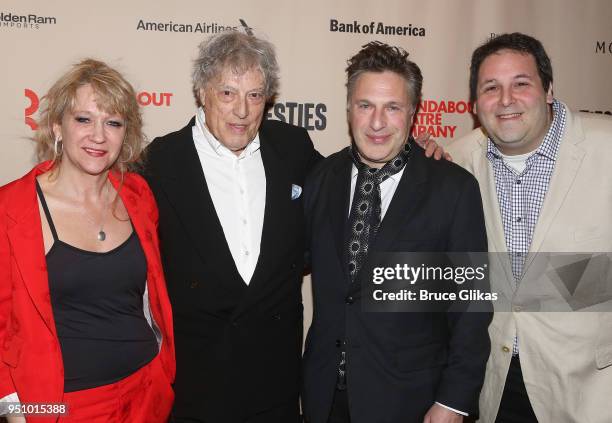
237,186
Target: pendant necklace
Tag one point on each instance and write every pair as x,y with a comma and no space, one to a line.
101,233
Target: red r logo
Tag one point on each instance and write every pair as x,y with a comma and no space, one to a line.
30,110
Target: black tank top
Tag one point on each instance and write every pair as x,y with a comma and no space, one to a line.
98,309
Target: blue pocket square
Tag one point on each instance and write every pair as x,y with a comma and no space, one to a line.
296,191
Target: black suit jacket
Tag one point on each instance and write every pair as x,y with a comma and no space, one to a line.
398,364
238,347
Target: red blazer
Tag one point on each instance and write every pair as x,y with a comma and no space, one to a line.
31,360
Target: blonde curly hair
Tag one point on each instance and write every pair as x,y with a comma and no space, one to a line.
114,94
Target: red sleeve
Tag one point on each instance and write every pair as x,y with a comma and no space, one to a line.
6,384
163,313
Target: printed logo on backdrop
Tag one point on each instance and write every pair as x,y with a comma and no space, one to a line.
310,116
603,47
430,117
598,112
375,28
31,109
202,27
10,20
198,27
144,98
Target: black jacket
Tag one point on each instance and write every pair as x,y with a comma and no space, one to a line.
238,347
398,364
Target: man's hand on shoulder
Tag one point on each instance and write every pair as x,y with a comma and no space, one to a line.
439,414
431,148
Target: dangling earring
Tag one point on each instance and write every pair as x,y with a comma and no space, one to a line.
58,149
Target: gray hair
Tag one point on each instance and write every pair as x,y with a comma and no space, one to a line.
240,52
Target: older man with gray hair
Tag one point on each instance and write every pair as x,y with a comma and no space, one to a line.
228,187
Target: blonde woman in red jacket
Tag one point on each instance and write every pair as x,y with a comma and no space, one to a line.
85,321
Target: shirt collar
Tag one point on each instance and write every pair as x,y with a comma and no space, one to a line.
395,177
216,145
552,139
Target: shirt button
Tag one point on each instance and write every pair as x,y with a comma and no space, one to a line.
518,219
246,253
517,308
349,300
505,349
518,181
244,221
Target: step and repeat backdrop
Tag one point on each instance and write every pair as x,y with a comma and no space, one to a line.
153,43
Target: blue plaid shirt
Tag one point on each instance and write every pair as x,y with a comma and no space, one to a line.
521,195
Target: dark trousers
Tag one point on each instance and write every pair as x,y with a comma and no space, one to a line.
340,410
515,406
284,413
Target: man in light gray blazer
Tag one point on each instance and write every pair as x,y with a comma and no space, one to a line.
546,184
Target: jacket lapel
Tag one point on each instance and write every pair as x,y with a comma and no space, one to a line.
405,200
25,237
484,174
569,159
339,197
500,269
186,188
277,221
276,211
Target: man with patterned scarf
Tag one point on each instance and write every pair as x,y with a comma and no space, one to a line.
382,195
